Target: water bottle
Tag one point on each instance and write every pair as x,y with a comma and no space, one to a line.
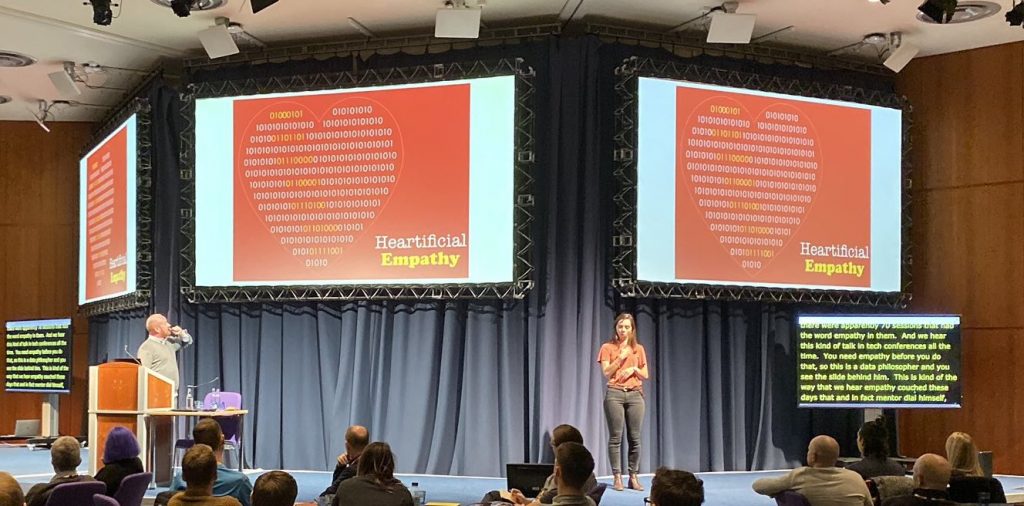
189,400
215,399
419,496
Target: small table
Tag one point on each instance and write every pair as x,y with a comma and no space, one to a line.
191,416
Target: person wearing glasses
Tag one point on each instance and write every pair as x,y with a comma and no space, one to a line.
673,487
624,362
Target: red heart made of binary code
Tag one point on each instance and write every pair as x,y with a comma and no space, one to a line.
324,176
752,177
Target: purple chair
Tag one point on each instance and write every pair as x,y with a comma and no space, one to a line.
132,489
229,425
102,500
76,493
791,498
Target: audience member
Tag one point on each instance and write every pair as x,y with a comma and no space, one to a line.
10,491
573,467
873,443
199,469
229,481
564,433
375,481
962,455
276,488
931,475
821,482
673,487
967,482
65,456
356,439
120,458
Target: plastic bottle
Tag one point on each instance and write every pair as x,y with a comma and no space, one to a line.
189,401
215,398
419,496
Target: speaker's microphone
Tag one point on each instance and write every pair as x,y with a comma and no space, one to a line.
203,384
133,357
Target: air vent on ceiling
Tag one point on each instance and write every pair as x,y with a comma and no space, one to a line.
11,59
966,12
197,5
4,99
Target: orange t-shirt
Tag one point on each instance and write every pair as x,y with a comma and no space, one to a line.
636,358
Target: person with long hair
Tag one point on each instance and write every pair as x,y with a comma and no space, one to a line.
624,362
963,455
967,482
873,443
375,481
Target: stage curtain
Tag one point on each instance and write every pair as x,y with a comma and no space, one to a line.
460,387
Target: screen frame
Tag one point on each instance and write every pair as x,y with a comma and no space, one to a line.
71,347
624,226
141,297
868,405
523,182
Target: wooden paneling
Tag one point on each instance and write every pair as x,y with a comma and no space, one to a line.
968,238
38,253
968,116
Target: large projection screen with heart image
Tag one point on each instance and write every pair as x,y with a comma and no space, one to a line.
738,187
409,184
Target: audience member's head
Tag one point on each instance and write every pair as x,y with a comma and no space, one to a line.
65,454
276,488
207,432
378,463
573,465
673,487
199,468
962,454
356,439
823,451
565,433
121,444
932,472
10,491
873,439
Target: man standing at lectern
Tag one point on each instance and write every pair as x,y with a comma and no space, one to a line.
158,351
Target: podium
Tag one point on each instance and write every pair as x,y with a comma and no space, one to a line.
124,394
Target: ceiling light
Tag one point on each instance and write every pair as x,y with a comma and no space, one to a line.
964,12
64,80
258,5
939,11
4,99
194,5
457,21
183,8
101,13
901,56
728,28
1015,16
10,59
217,40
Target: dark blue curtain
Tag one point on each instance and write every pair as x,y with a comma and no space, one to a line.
461,387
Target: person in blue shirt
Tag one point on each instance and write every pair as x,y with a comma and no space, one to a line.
229,482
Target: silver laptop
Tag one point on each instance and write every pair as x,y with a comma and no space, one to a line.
26,428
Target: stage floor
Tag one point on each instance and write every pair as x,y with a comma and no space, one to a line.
721,489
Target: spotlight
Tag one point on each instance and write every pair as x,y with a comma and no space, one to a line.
939,11
1015,16
101,13
183,8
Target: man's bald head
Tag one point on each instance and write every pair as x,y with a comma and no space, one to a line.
823,451
932,472
157,325
10,491
356,439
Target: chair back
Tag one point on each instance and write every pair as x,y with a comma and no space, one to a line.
791,498
229,425
596,492
972,489
133,489
893,486
103,500
75,493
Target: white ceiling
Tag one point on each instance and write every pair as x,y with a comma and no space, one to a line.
54,31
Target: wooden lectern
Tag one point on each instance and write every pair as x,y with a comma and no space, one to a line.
122,394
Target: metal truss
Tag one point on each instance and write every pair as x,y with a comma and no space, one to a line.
624,226
143,209
525,145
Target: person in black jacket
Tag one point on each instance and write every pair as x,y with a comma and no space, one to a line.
120,459
356,439
931,474
65,456
375,483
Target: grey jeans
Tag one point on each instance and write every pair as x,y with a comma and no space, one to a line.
624,408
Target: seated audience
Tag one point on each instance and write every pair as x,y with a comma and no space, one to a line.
65,456
375,481
967,482
673,487
821,482
276,488
229,481
199,469
10,491
564,433
120,458
573,467
873,443
931,475
356,439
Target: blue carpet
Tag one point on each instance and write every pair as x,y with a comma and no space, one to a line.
720,489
